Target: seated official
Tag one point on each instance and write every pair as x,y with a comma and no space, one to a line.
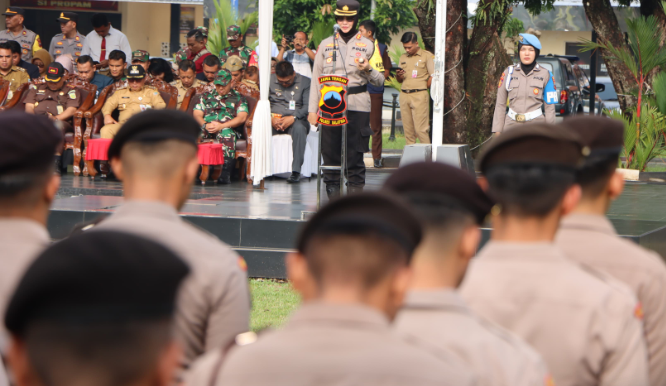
211,65
117,67
251,78
187,79
55,100
18,61
16,76
133,99
218,113
160,69
289,97
85,68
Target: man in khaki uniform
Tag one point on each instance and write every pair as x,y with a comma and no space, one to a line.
155,155
351,269
588,237
137,97
29,41
583,322
27,144
417,67
17,76
452,208
188,80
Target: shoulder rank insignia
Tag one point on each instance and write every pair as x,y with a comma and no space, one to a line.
359,44
358,36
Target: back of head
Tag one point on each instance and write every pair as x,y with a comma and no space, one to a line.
159,66
85,59
284,69
359,240
369,26
186,65
96,309
99,20
409,37
197,34
530,168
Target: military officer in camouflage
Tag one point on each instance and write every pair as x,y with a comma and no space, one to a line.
218,113
236,47
28,40
70,41
16,76
141,58
131,100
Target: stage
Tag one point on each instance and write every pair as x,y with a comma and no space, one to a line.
263,224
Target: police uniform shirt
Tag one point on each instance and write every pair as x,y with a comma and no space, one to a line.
441,319
130,102
60,45
346,64
17,76
329,345
28,40
527,93
47,101
585,324
418,69
214,301
592,240
178,84
281,97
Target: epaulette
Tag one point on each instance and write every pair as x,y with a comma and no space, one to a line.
20,69
151,87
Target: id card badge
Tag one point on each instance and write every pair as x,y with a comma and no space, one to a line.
414,73
143,107
292,105
60,109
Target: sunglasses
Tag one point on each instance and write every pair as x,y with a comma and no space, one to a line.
344,18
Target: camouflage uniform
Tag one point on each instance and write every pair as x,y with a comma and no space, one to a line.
221,109
245,53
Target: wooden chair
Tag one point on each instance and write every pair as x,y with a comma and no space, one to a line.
244,143
4,91
16,100
74,140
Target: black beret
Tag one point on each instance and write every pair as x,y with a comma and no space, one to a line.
28,142
532,144
155,126
456,186
602,136
380,213
97,277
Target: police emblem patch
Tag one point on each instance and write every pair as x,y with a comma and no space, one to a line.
536,91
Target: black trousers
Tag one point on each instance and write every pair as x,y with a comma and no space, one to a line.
358,133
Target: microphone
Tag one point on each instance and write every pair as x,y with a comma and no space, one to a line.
336,28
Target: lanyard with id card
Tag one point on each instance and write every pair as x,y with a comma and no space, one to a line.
292,102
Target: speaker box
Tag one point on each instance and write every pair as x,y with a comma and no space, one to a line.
416,153
456,155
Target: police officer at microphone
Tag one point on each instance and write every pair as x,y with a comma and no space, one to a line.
352,52
528,87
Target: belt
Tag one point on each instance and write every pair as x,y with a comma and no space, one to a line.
413,91
524,117
358,89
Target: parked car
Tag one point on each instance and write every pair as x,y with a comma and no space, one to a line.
584,82
570,98
609,95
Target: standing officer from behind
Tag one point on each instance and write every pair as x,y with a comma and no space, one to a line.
236,46
133,99
528,87
417,67
587,236
353,61
351,270
155,155
28,187
70,41
29,41
452,207
96,309
583,322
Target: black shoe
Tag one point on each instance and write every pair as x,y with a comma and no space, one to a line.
294,178
225,177
378,163
332,191
353,189
58,165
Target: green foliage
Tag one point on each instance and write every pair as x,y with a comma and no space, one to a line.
320,31
513,27
272,303
638,152
659,88
224,17
393,82
396,53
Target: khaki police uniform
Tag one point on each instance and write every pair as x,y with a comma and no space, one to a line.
358,103
28,40
330,344
129,102
51,102
441,319
525,94
592,240
214,301
414,97
586,325
178,84
17,76
61,45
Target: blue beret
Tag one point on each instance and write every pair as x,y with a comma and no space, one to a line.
530,40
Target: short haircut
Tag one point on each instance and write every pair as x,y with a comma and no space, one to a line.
212,61
284,69
85,59
118,55
301,32
159,159
529,189
14,46
6,46
160,66
251,71
369,25
594,175
197,34
23,190
187,65
99,20
409,37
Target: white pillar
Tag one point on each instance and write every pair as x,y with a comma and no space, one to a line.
437,87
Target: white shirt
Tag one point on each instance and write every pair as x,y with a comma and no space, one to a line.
115,40
274,50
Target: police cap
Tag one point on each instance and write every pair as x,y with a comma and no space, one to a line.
27,143
451,186
380,213
156,126
68,16
233,32
55,72
223,77
533,143
602,136
97,277
529,40
346,8
140,55
11,11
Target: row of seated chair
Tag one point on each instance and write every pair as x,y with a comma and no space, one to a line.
88,119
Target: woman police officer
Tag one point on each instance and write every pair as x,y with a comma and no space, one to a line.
528,87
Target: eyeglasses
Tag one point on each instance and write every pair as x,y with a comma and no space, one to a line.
344,18
133,80
40,65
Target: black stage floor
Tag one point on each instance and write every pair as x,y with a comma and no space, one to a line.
262,224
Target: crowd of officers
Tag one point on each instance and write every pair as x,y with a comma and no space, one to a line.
393,290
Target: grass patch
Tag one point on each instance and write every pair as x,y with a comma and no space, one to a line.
656,169
272,303
398,144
